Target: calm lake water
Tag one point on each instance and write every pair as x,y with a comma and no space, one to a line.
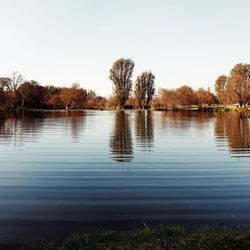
85,171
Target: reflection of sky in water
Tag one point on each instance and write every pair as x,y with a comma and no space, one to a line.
96,169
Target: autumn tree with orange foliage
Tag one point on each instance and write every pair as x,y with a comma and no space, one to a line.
221,89
54,101
186,96
168,99
204,98
52,97
93,101
73,97
17,93
239,84
112,102
236,87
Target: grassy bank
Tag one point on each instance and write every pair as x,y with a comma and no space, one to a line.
167,237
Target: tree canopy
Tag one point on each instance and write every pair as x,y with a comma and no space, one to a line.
121,76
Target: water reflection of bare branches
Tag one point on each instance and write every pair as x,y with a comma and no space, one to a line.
144,129
121,145
234,128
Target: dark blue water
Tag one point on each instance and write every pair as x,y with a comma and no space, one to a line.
85,171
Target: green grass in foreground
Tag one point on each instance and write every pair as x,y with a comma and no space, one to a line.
165,237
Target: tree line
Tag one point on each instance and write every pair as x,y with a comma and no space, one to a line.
18,93
229,90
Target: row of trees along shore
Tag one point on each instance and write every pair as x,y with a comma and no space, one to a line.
18,93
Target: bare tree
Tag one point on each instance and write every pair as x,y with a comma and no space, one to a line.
121,74
5,83
11,85
150,87
140,90
16,80
144,88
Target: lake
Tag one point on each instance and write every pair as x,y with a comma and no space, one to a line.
82,171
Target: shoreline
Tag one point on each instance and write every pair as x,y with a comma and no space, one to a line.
163,237
210,109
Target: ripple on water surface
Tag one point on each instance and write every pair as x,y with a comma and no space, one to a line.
63,172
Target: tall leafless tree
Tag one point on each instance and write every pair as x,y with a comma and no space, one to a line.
121,74
5,83
144,88
16,80
140,90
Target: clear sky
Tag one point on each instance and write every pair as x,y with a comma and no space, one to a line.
182,41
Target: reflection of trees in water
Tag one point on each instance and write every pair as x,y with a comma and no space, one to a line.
77,123
236,129
182,120
121,144
8,124
144,129
17,128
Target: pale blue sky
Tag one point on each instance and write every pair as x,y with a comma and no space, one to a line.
182,41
